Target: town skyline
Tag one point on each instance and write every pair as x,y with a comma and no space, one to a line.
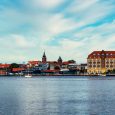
70,29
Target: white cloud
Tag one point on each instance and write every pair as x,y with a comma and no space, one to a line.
22,42
70,44
16,48
81,5
43,4
88,12
47,25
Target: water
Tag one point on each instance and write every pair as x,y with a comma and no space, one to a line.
57,96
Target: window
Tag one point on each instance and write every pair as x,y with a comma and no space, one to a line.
107,66
98,66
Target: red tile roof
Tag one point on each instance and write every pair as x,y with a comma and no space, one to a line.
17,69
34,62
5,65
97,54
66,63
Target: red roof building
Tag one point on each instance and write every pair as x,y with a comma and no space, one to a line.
101,61
5,65
3,72
17,69
98,54
34,63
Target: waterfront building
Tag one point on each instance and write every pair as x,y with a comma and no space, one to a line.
34,63
4,66
52,65
83,68
4,69
43,66
48,67
65,65
17,70
101,62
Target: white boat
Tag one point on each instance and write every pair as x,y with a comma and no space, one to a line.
28,76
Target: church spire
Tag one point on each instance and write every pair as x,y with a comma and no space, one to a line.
44,54
44,58
60,60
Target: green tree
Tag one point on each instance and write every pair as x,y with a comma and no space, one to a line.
14,65
71,61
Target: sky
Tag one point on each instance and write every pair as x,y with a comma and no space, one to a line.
68,28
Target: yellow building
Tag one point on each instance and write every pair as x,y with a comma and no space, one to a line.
100,62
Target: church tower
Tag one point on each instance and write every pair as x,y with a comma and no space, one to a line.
44,58
60,60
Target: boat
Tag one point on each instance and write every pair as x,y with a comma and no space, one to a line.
28,76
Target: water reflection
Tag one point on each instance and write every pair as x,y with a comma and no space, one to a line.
101,98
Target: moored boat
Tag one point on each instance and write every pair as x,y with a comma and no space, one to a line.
28,76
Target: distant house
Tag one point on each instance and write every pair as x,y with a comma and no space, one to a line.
4,66
4,69
17,70
43,66
65,65
34,63
3,72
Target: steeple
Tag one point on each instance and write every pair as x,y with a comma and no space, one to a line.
44,55
60,60
44,58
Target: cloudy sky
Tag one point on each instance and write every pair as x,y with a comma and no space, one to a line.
67,28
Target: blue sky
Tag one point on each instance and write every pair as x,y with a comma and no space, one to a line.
67,28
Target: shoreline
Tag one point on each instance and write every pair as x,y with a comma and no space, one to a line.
70,75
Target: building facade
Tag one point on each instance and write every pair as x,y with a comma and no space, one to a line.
100,62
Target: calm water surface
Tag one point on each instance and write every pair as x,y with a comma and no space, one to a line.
57,96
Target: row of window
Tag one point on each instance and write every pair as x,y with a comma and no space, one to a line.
111,61
98,66
104,54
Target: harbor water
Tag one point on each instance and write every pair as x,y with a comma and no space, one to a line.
57,96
